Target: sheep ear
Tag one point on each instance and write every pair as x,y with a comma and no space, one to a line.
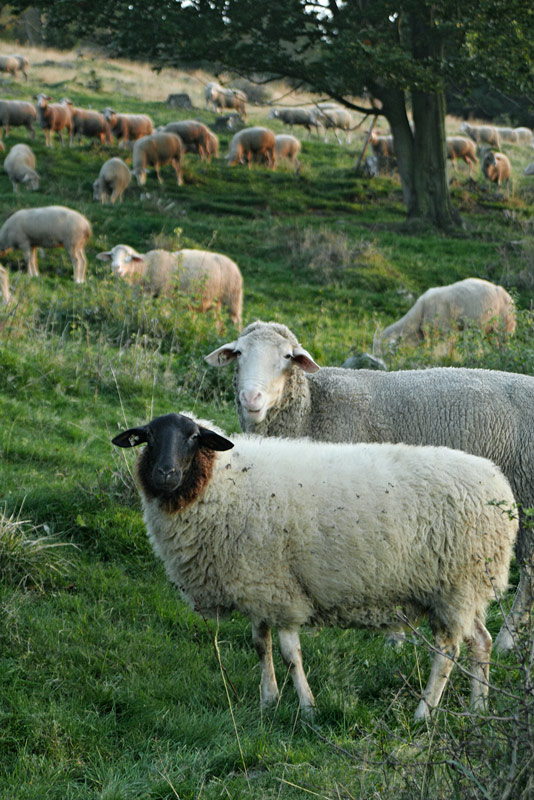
134,257
130,438
303,359
104,256
213,441
222,356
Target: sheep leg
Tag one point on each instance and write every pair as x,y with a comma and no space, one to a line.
261,636
292,655
521,610
156,167
480,649
79,263
30,255
4,284
439,675
178,169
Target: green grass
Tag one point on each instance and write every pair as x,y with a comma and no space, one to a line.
110,687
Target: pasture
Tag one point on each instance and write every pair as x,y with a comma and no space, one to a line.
111,689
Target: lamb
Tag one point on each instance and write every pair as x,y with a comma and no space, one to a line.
288,147
128,127
17,112
53,118
471,300
10,64
214,279
484,412
252,144
296,116
113,179
86,122
156,150
496,167
219,98
196,138
24,64
341,535
482,134
460,147
20,167
49,226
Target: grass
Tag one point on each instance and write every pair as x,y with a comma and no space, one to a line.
110,687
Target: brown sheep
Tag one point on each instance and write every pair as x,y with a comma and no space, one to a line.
86,122
250,144
128,127
157,150
196,138
220,99
52,118
496,167
10,64
460,147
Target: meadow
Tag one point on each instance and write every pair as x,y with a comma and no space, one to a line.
110,688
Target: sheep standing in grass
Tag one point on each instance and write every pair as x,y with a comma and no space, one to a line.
212,278
24,65
196,138
331,116
128,127
293,532
472,300
219,99
524,135
53,118
89,123
113,179
496,167
306,117
10,64
14,113
20,167
288,148
252,144
155,151
281,391
460,147
482,134
50,226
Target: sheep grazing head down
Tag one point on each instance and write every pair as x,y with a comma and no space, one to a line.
177,460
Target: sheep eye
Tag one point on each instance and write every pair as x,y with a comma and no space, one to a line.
288,356
237,353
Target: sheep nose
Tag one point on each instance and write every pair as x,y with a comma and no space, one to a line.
252,399
166,475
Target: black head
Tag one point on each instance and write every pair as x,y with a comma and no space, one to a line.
173,444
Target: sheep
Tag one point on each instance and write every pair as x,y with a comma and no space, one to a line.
342,535
484,412
20,167
508,135
460,147
219,98
331,116
86,122
496,167
196,138
10,64
24,64
128,127
296,116
252,143
524,135
49,226
288,147
4,284
215,278
472,300
17,112
53,118
482,134
156,150
113,179
383,149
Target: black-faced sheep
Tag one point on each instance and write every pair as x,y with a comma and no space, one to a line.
20,167
113,179
281,391
53,118
293,532
50,226
128,127
252,144
155,151
196,138
460,147
496,167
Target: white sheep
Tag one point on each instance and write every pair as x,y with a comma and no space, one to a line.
288,148
196,138
114,177
524,135
128,127
329,115
17,112
496,167
10,64
219,99
281,391
460,147
472,300
20,167
52,118
89,123
49,226
293,532
252,144
508,135
482,134
156,150
212,278
296,116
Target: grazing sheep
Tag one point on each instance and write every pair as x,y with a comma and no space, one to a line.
508,135
306,117
156,150
196,138
484,412
20,167
50,226
331,116
86,122
345,535
17,112
24,64
472,300
219,98
252,144
460,147
53,118
128,127
524,135
4,284
482,134
113,179
288,148
496,167
10,64
215,278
